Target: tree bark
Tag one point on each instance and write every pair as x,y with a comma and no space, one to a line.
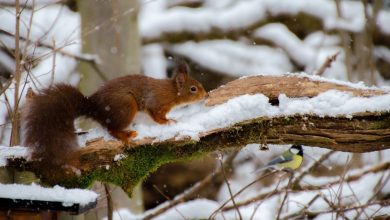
110,32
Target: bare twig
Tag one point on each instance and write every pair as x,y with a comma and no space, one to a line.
343,209
375,195
17,75
341,184
26,5
240,191
291,175
53,64
186,195
230,190
5,87
327,64
349,178
168,199
258,205
110,208
302,211
88,59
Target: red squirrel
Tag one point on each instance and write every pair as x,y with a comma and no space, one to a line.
48,116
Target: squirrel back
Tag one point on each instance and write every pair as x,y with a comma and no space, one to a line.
48,117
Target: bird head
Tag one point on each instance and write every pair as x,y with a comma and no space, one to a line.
297,149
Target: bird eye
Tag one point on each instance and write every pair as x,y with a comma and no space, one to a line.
193,89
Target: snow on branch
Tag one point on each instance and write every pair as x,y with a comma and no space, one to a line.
293,108
179,23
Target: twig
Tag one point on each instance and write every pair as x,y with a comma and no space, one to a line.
258,205
4,88
291,173
28,31
230,190
186,195
301,212
92,61
343,209
295,183
28,6
374,169
53,64
240,191
110,208
328,62
169,199
349,178
378,190
341,184
17,75
356,199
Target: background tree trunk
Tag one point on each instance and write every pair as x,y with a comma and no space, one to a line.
109,30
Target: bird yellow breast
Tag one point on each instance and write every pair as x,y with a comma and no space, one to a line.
294,164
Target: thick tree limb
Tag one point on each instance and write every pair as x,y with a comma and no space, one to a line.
213,30
364,132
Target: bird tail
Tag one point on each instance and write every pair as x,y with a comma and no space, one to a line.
264,168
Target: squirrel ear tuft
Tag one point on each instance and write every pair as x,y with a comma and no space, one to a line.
181,73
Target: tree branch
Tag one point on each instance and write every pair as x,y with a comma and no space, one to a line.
364,132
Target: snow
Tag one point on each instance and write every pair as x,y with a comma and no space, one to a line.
12,152
154,63
55,194
197,118
284,38
358,85
119,157
243,14
383,21
155,23
235,58
195,209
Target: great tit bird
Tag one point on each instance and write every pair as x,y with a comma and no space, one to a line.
290,159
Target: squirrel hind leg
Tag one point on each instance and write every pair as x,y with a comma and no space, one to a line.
124,136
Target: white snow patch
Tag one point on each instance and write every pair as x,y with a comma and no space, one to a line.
243,14
154,63
284,38
235,58
55,194
195,209
12,152
119,157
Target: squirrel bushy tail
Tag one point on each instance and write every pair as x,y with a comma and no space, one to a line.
48,123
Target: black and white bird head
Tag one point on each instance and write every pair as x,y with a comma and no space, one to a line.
297,149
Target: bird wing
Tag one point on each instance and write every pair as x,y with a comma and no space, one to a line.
285,157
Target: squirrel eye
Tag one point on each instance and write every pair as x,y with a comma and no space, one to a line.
193,89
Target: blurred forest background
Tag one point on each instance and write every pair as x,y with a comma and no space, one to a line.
87,42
